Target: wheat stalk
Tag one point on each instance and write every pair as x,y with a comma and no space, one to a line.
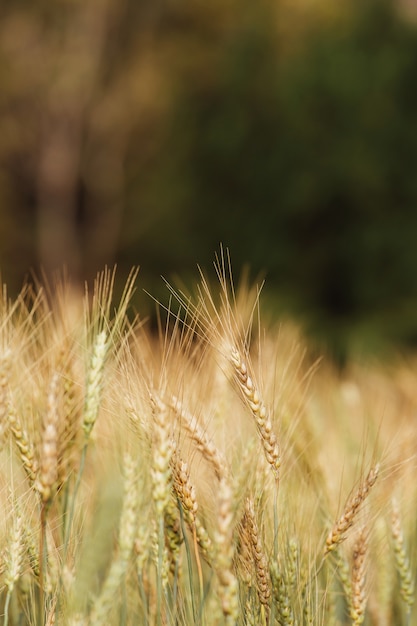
127,530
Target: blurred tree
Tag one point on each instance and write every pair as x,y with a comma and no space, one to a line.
147,132
304,163
75,78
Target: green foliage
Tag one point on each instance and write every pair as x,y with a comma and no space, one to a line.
304,164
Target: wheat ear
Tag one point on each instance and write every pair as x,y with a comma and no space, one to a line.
24,446
358,598
185,492
263,581
189,423
229,589
14,552
281,596
173,538
183,487
5,361
402,562
161,462
338,533
259,411
292,563
69,428
94,382
161,494
48,471
47,477
13,560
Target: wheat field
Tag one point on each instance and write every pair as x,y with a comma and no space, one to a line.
212,473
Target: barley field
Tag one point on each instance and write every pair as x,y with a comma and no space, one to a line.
212,473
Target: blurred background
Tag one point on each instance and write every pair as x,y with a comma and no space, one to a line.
146,132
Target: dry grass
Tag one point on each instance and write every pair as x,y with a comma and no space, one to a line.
211,475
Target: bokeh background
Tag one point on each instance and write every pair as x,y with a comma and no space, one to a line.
147,132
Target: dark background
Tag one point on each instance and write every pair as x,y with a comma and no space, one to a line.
148,132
